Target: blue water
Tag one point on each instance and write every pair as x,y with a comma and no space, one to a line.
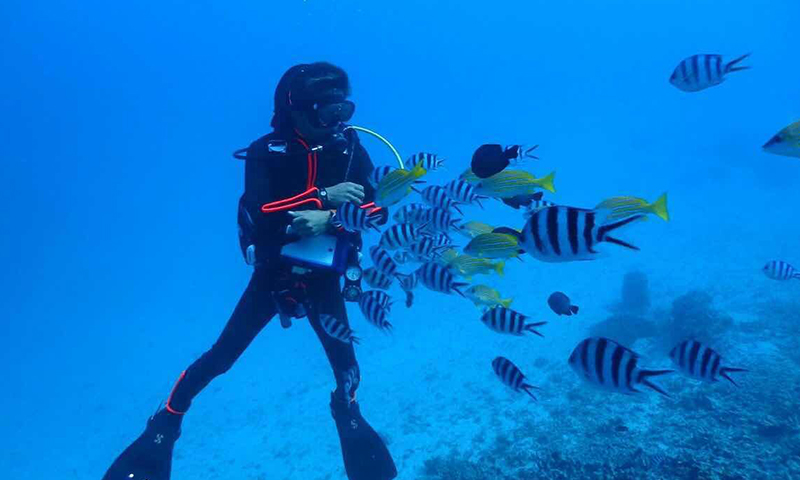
121,263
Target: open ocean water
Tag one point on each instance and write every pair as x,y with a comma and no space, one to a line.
120,260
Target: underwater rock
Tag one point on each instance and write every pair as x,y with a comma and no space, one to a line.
693,317
634,295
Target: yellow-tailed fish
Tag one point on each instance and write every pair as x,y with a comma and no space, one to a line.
483,296
470,177
473,229
786,142
494,246
396,185
622,207
467,266
448,256
510,183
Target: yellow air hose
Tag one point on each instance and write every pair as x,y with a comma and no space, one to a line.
382,139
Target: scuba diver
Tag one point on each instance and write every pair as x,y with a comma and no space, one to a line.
295,178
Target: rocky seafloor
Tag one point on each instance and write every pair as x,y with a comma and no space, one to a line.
704,431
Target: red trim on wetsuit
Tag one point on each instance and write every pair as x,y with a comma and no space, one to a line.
302,198
169,400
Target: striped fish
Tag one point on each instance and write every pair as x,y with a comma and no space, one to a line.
436,196
443,240
430,161
437,220
699,72
336,329
701,362
374,312
504,320
426,250
376,279
402,257
439,278
383,299
401,235
512,376
408,283
378,173
353,218
409,213
779,270
608,365
565,234
494,246
382,261
462,191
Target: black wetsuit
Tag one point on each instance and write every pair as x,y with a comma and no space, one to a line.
270,177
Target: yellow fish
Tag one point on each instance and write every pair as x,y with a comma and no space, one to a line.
473,229
481,295
494,245
786,142
622,207
470,177
467,265
397,185
510,183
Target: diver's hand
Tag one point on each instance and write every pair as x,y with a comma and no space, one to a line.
310,223
344,193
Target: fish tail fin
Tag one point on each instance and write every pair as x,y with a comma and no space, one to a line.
546,182
409,299
796,275
526,387
724,371
479,199
415,190
506,302
659,207
355,340
456,287
499,267
455,207
610,227
418,171
419,182
574,309
732,65
528,153
644,375
531,327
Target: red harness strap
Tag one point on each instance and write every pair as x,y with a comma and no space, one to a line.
306,197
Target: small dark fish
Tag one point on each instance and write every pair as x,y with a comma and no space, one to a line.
512,376
701,362
336,329
525,200
408,283
491,159
561,304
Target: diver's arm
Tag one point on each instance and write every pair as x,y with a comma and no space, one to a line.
363,167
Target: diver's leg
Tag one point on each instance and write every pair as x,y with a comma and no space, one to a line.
150,456
365,454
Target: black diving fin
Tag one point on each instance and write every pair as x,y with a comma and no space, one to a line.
149,457
365,454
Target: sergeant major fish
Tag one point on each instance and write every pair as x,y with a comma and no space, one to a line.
699,72
376,279
401,235
430,161
778,270
512,376
439,278
564,234
374,312
436,196
353,218
701,362
463,192
504,320
382,261
336,329
605,364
